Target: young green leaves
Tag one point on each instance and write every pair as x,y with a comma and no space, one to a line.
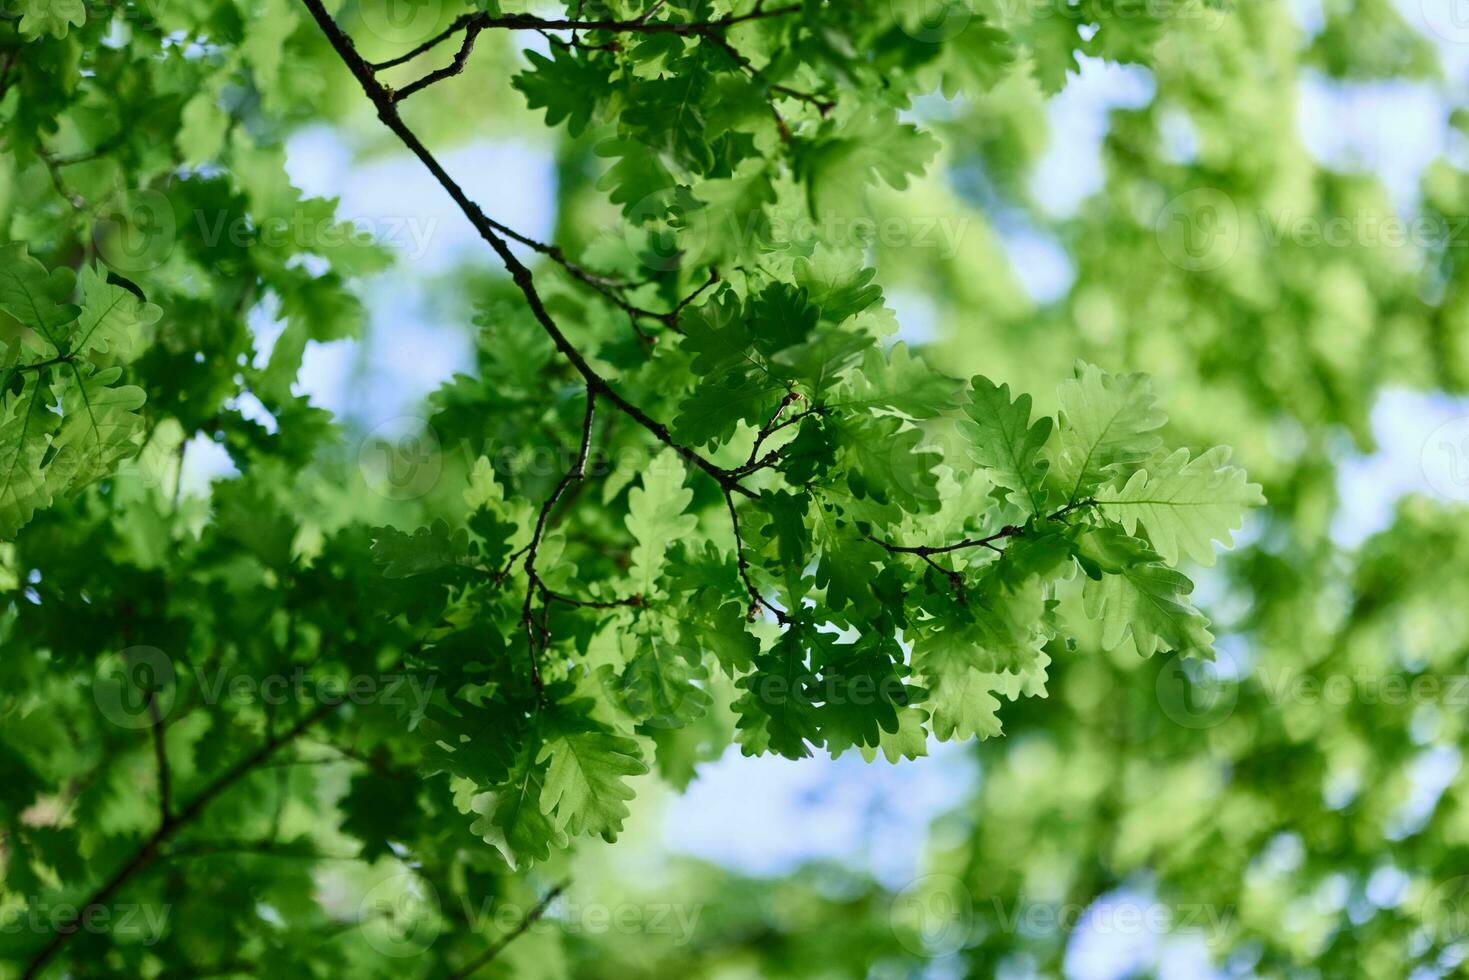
65,420
1138,513
1006,444
790,609
1184,504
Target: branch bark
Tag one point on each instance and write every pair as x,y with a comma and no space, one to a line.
149,852
531,917
495,235
473,24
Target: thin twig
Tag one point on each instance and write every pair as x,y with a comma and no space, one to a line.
461,58
756,599
1008,531
490,231
578,471
633,601
531,917
150,850
530,22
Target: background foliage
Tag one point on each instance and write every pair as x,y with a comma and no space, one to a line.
367,702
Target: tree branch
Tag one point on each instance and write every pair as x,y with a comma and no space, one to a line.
578,471
756,599
531,917
150,850
475,23
491,232
634,601
926,552
461,58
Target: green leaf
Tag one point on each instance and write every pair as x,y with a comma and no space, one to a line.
1006,443
53,17
316,309
1107,422
656,518
100,426
712,412
566,85
776,711
910,741
24,426
961,697
976,59
511,819
113,320
848,157
717,335
899,383
861,692
584,779
1185,505
1132,593
660,684
428,549
890,463
35,297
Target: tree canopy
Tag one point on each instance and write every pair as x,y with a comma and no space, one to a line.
363,704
